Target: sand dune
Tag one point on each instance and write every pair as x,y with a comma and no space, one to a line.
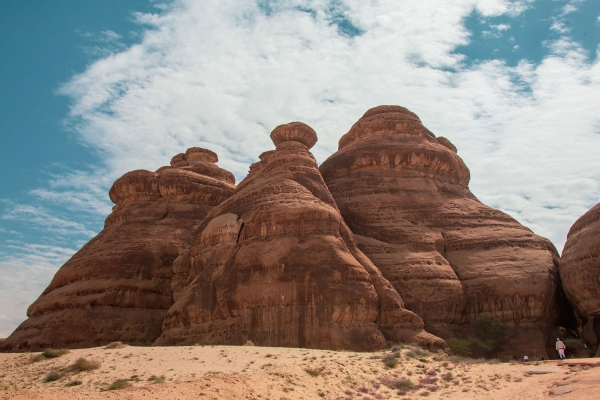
251,372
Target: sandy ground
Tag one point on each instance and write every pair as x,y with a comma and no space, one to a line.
251,372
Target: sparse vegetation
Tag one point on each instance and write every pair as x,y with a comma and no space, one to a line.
156,379
390,361
53,376
82,365
74,383
489,336
114,345
52,353
249,343
314,371
119,384
49,353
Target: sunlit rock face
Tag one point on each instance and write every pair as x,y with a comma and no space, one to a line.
580,273
277,265
404,193
118,286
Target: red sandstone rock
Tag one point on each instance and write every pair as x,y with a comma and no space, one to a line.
276,264
404,193
580,273
118,286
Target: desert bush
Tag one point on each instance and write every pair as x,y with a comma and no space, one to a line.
53,376
489,335
447,376
74,383
115,345
418,353
472,347
82,365
157,379
390,361
119,384
52,353
249,343
314,371
576,347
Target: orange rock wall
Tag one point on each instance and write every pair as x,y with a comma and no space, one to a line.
580,273
404,193
118,286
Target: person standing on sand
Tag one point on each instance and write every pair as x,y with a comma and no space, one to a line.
560,347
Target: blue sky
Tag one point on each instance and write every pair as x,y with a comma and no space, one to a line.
90,90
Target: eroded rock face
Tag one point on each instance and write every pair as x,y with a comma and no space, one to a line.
118,286
404,193
276,264
580,273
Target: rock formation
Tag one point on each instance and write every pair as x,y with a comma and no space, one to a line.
277,265
580,273
404,193
118,286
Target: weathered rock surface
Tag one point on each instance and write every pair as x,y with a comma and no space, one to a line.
404,193
118,286
276,264
580,273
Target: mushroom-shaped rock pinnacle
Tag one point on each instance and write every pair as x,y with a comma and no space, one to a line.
388,110
296,132
196,154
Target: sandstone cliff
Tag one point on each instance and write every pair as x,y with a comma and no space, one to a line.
118,286
404,193
580,273
276,264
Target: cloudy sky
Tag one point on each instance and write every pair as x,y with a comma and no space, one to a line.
90,90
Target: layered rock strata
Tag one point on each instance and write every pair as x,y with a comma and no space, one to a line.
580,273
118,286
277,265
404,193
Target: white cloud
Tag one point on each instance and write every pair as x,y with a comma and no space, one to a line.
41,218
25,274
223,74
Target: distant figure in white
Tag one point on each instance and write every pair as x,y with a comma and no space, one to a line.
525,358
560,347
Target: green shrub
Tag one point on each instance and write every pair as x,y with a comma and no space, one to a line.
314,371
390,361
53,376
489,335
575,347
157,379
403,383
51,353
489,327
119,384
82,365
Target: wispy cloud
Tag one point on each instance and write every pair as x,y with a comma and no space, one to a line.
41,218
25,274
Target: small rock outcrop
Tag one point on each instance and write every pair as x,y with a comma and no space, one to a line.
580,273
277,265
404,193
118,286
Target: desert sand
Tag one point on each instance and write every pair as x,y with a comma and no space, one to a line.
252,372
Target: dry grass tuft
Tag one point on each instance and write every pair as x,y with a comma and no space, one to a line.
82,365
119,384
53,376
115,345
